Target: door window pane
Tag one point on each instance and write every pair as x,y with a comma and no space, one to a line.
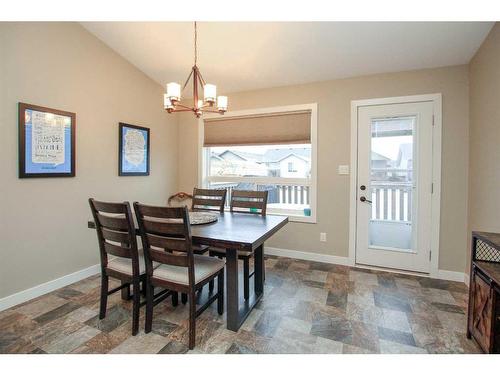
392,182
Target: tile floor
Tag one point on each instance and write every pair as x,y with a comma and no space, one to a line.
308,307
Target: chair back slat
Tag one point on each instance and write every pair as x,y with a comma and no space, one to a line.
160,227
209,199
115,236
201,202
117,250
160,213
110,208
249,201
174,244
180,260
113,223
115,232
166,236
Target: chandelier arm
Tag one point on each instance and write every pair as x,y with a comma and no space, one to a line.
201,76
184,110
187,80
183,106
211,111
206,105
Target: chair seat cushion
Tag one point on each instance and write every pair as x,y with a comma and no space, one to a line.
216,251
124,265
203,267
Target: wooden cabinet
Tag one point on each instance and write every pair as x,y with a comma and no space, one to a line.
484,294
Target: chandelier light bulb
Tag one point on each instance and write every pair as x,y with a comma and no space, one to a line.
167,103
210,93
222,103
174,91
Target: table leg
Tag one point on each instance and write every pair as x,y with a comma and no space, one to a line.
232,290
259,269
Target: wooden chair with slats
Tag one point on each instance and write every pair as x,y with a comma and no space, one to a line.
250,202
209,199
116,236
182,199
201,200
166,236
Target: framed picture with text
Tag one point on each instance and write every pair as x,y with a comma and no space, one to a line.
133,150
46,142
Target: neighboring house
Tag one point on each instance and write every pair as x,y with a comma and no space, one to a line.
405,162
385,169
292,162
380,164
288,162
236,163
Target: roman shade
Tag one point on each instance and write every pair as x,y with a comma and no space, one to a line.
271,128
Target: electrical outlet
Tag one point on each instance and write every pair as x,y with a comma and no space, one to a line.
322,237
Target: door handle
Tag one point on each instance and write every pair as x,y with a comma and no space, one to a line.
363,199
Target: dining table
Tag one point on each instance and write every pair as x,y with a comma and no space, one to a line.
233,232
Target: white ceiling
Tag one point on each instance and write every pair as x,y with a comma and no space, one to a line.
239,56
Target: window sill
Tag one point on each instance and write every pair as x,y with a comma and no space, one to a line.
295,218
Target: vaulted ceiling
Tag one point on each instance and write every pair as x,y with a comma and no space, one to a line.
239,56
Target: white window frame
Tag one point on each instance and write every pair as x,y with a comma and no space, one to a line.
203,159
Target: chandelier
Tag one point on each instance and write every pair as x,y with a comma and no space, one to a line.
210,103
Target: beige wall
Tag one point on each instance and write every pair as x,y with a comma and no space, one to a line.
334,100
484,183
43,221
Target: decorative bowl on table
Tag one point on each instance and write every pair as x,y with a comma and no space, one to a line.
199,217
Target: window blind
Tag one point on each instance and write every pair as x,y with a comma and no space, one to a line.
274,128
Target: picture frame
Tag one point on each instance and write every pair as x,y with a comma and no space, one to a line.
133,150
46,142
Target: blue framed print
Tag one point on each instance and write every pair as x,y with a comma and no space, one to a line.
46,142
133,152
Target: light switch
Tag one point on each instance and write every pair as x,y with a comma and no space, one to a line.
343,169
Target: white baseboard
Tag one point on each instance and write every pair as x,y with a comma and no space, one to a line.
49,286
345,261
453,276
333,259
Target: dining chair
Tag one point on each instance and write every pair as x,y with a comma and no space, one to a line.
184,199
209,199
116,235
202,200
166,236
250,202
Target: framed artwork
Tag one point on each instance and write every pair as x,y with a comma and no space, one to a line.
46,142
133,153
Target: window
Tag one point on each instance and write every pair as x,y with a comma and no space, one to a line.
239,153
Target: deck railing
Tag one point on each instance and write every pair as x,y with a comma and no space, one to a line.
391,201
279,194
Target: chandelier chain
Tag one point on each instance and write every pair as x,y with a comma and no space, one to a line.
195,44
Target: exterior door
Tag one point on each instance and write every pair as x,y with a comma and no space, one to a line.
394,186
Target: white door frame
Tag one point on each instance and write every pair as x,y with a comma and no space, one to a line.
436,170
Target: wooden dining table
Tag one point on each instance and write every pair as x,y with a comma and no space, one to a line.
237,231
